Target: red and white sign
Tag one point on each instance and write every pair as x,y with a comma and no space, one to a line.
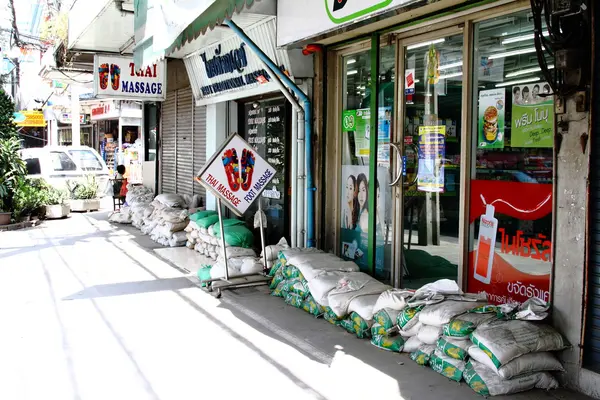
118,77
236,174
66,118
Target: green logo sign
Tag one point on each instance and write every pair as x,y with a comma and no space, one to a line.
349,121
340,11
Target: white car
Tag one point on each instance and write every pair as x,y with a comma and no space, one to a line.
59,164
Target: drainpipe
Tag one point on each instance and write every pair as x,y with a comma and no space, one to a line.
297,211
310,195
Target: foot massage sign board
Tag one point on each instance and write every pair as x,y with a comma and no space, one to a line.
236,174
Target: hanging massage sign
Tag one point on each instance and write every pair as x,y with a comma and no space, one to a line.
236,174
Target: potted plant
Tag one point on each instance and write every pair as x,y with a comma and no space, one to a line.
27,199
12,170
84,195
4,215
55,203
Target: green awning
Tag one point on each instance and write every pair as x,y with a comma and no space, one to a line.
155,17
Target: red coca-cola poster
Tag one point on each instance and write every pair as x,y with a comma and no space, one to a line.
511,258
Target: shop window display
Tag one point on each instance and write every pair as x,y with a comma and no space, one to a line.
511,188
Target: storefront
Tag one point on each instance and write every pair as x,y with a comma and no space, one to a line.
65,133
462,158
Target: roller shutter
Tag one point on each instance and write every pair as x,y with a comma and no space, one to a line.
168,144
199,146
184,160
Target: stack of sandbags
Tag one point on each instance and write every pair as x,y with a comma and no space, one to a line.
137,198
122,216
197,233
272,252
385,331
137,194
513,356
236,266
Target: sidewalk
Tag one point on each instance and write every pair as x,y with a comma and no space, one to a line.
167,338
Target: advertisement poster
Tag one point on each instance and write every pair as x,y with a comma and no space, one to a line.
506,262
358,122
409,83
236,174
532,116
432,148
492,106
355,212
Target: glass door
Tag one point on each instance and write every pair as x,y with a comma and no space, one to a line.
431,133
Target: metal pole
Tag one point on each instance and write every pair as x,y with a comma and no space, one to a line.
262,234
222,237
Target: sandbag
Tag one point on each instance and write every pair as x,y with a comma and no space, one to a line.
394,299
357,325
294,300
272,251
423,354
429,334
409,317
503,341
277,279
386,318
487,383
178,239
413,331
321,285
395,344
454,348
527,364
175,216
171,200
324,263
434,292
291,272
363,306
449,367
312,307
331,317
207,221
351,286
251,265
226,223
276,267
278,291
287,254
441,313
237,236
297,286
461,326
202,214
235,252
412,344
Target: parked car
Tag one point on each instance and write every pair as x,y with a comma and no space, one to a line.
59,164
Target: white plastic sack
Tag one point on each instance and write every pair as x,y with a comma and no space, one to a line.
123,217
273,250
292,255
441,313
412,344
190,238
487,383
429,334
251,265
322,263
352,285
434,292
412,331
363,306
527,364
507,340
447,366
175,215
396,299
234,267
321,285
234,252
171,200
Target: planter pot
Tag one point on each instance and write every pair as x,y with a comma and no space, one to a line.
4,218
57,211
85,205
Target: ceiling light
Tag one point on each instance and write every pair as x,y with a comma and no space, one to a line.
512,53
351,61
517,82
417,80
423,44
522,38
451,65
526,71
352,72
457,74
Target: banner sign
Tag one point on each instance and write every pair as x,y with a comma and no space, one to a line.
236,174
432,149
532,116
118,77
30,118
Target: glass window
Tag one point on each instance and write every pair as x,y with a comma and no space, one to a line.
86,160
33,166
151,126
62,162
511,187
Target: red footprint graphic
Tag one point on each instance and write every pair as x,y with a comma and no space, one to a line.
247,168
232,169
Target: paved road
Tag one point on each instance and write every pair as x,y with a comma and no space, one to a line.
88,311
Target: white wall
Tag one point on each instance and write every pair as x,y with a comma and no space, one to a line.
216,132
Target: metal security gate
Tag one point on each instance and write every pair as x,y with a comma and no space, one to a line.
168,144
199,146
184,160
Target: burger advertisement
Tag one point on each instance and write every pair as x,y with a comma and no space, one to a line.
491,119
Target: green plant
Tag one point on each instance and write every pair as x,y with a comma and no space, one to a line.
53,196
8,129
86,190
29,196
12,169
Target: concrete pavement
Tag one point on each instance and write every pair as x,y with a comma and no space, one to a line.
89,311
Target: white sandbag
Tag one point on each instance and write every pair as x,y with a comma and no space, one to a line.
195,234
251,265
507,340
189,245
204,231
412,331
324,283
174,226
290,254
412,344
363,306
487,383
123,217
170,200
175,215
429,334
233,252
449,367
396,299
352,285
434,292
212,255
322,263
190,238
441,313
234,267
148,211
455,348
273,250
461,326
198,248
524,365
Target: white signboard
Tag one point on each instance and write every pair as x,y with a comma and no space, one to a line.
66,118
299,20
117,77
236,174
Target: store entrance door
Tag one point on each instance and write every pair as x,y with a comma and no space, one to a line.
429,146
